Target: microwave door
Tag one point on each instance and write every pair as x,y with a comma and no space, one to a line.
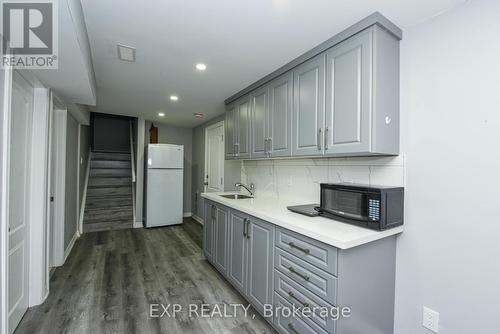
343,214
344,203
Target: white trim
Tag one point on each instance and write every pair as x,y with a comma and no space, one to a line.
187,214
84,195
68,249
198,219
4,172
210,127
39,285
138,224
60,126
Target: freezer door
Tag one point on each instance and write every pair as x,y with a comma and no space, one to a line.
164,197
165,156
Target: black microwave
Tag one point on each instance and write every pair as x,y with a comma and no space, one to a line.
374,207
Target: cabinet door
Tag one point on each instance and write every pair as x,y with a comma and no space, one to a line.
309,92
260,106
237,251
221,239
230,131
208,235
348,85
242,122
260,262
280,116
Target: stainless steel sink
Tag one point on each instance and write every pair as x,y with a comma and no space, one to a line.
236,196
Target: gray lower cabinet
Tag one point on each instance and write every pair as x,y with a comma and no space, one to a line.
270,265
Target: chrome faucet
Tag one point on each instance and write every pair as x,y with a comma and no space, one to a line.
250,190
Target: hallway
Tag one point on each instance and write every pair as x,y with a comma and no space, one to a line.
111,277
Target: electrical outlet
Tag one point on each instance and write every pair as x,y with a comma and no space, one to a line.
430,319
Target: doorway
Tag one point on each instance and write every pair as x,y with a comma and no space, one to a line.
18,199
214,158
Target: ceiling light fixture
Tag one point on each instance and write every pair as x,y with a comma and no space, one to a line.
126,53
161,114
174,97
198,114
201,67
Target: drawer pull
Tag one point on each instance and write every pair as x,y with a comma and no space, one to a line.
244,227
293,271
290,326
290,293
305,250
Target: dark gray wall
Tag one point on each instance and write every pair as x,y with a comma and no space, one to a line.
71,187
232,169
179,136
84,158
110,133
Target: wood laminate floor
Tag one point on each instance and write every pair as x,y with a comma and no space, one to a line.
110,279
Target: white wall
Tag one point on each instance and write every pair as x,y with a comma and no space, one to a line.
71,205
448,255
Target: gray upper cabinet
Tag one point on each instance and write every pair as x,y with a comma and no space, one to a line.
243,128
348,74
339,99
230,131
308,111
259,116
279,138
260,238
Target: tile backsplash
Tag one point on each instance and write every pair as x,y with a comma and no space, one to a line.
298,180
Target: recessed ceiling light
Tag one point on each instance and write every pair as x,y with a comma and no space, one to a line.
198,114
201,67
174,97
126,53
161,114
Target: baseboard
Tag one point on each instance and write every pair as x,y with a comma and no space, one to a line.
138,224
187,214
198,219
68,249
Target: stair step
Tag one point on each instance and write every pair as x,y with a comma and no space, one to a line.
108,172
105,202
109,191
107,225
110,156
95,182
110,164
107,214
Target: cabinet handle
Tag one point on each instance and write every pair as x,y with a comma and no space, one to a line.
293,271
244,227
270,150
265,145
290,326
290,293
326,138
213,212
248,228
319,139
305,250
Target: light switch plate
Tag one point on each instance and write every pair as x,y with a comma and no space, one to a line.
430,319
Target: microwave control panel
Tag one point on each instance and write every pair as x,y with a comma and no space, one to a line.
374,209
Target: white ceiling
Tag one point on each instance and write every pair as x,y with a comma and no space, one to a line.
239,40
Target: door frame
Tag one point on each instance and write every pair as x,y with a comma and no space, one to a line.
208,128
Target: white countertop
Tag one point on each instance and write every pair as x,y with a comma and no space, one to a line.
329,231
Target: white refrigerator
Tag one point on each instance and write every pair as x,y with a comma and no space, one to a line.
163,195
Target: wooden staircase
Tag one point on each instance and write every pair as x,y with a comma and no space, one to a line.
109,194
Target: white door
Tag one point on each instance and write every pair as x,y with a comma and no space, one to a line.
214,157
19,168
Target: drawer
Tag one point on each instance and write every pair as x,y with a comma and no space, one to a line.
313,279
297,295
312,251
292,325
